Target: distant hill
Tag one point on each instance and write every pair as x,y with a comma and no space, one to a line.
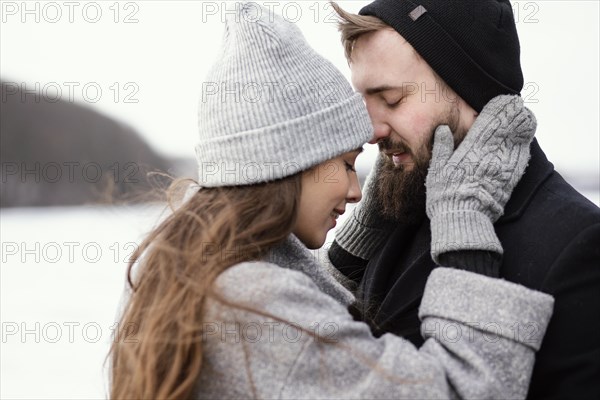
63,153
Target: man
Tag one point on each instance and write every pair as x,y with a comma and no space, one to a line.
422,65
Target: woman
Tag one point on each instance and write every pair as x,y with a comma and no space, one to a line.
227,301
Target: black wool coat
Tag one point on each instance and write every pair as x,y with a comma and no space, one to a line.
551,239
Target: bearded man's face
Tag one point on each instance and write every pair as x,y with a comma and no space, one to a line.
406,101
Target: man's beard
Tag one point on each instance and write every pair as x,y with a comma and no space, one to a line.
401,193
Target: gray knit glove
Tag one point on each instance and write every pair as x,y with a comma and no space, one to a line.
366,230
467,189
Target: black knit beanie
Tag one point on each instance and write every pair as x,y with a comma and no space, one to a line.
472,44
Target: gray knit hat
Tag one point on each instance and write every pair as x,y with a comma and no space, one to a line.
271,106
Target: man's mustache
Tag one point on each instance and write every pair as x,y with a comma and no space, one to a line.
387,144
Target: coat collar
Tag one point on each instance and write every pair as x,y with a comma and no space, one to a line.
292,254
538,170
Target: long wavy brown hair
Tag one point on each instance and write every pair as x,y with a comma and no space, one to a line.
157,352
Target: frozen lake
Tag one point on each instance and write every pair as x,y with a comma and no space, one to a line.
62,278
61,282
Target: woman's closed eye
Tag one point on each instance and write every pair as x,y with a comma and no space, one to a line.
349,167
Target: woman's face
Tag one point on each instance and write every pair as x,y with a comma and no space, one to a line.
326,189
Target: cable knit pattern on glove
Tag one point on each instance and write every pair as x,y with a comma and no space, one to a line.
467,189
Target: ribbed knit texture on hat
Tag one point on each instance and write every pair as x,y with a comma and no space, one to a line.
472,44
271,106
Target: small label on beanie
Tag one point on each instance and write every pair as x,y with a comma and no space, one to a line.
417,12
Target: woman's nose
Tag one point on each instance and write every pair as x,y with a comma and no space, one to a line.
354,192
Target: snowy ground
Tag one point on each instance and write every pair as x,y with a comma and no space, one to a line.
62,278
61,282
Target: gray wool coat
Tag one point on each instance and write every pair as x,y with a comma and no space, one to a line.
302,343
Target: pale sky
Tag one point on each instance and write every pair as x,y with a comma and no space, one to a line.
158,52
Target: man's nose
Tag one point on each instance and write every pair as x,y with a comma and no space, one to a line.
380,132
381,128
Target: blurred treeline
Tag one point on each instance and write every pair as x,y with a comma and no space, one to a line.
55,152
